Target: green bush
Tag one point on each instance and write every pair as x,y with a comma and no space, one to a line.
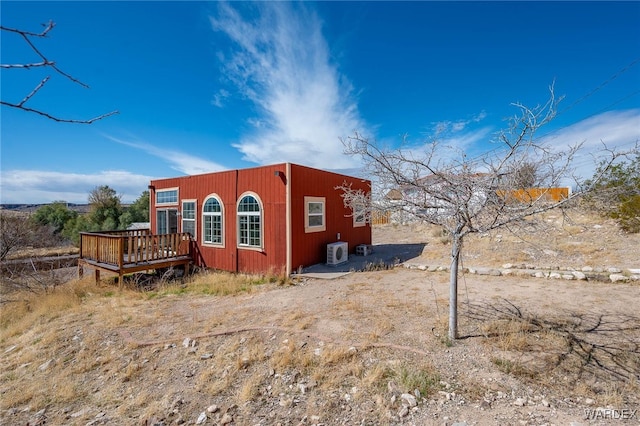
614,191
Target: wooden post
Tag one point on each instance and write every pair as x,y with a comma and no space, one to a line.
97,275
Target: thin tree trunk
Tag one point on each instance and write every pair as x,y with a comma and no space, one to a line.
453,287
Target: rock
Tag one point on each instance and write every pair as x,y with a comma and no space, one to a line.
539,274
555,276
634,271
186,342
81,413
520,402
206,356
507,266
212,408
568,277
617,278
447,395
226,419
403,411
44,366
409,399
579,275
614,270
545,403
201,418
587,269
589,401
489,271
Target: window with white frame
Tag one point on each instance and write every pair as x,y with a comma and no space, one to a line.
314,214
167,196
212,229
249,222
359,215
189,217
167,221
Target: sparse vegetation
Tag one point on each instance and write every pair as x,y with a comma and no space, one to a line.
333,351
617,193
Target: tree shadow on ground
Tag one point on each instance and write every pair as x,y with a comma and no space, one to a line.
578,346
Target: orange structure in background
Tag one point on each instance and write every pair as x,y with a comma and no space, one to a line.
533,194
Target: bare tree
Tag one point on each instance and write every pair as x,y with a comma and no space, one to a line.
42,62
439,185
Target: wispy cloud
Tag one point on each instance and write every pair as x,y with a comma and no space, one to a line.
280,61
444,128
220,97
37,186
180,161
615,130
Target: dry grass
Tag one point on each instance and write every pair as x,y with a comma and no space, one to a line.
578,239
589,355
340,350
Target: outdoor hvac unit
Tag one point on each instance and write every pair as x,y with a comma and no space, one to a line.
337,253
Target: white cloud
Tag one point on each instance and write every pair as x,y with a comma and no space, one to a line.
280,61
37,186
219,98
617,130
180,161
449,127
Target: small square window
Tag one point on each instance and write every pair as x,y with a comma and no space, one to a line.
315,215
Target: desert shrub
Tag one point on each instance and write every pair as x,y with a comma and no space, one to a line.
616,193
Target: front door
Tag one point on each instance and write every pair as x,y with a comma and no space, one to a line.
167,220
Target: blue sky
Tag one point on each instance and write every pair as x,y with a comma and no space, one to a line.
208,86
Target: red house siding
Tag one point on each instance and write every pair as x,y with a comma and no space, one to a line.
272,186
271,190
311,248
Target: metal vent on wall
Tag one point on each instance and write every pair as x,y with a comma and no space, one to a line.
337,253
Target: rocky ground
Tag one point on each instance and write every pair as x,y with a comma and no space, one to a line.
367,348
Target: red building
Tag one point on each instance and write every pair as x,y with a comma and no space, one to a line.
273,218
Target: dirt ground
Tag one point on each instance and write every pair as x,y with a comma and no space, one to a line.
366,348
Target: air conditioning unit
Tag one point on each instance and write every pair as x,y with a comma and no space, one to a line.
337,253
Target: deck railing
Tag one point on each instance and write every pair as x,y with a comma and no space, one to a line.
130,247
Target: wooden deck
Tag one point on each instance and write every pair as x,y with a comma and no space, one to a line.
129,251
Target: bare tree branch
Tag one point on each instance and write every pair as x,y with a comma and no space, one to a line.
439,185
27,35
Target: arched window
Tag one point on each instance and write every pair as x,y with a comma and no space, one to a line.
212,223
249,222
